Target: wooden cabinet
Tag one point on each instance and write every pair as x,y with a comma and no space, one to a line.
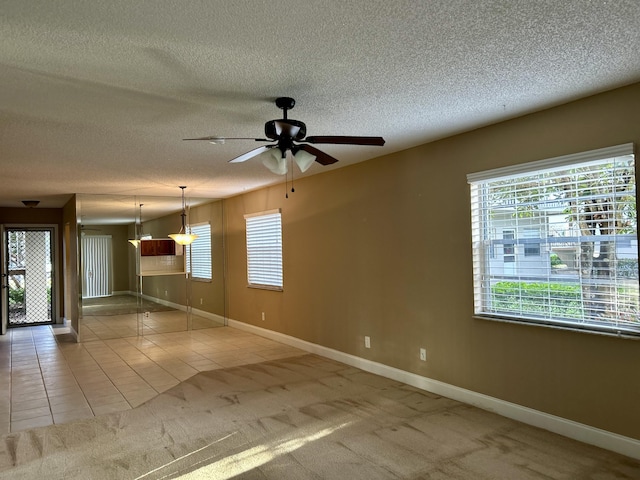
160,256
157,247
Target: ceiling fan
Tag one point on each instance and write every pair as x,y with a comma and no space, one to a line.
290,135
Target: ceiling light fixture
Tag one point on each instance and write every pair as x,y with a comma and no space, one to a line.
139,235
276,162
30,203
182,237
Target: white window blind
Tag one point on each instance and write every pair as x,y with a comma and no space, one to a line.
264,250
199,253
572,243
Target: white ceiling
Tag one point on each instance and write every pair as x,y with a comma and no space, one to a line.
96,97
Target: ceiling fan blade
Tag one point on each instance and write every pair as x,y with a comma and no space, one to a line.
321,157
220,140
344,140
253,153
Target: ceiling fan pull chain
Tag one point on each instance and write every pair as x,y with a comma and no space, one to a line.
292,189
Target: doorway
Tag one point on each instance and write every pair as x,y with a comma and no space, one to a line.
27,273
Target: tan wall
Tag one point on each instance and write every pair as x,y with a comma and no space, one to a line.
71,272
383,248
210,296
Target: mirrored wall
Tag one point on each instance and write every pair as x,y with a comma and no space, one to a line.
136,281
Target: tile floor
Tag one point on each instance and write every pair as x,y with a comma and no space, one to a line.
46,378
103,327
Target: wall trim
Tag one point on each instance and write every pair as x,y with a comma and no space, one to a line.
67,323
166,303
194,311
209,316
578,431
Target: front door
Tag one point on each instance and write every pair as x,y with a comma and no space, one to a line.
4,304
27,276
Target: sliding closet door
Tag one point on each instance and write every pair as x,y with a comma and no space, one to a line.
97,266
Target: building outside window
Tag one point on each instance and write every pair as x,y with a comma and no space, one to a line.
532,248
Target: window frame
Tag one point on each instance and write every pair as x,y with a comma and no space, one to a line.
189,251
265,268
484,278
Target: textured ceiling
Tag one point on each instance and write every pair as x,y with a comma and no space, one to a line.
95,97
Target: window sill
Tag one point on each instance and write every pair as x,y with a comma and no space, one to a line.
201,280
266,287
532,323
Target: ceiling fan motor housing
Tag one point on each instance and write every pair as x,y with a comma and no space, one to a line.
294,129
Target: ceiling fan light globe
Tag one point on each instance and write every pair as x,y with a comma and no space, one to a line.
276,165
304,160
274,161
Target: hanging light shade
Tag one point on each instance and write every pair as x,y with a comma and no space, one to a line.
273,160
304,160
182,237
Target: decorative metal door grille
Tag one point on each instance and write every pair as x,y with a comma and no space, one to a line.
29,276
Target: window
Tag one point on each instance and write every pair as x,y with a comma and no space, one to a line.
508,247
264,250
199,253
531,248
580,210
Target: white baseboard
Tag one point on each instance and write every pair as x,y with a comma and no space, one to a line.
166,303
568,428
210,316
194,311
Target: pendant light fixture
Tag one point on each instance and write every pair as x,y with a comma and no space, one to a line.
139,235
182,237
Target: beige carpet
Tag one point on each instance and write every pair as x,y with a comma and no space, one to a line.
304,417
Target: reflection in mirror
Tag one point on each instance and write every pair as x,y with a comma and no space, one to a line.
152,286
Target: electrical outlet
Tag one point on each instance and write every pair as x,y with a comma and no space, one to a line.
423,354
166,292
146,314
263,316
367,342
200,301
